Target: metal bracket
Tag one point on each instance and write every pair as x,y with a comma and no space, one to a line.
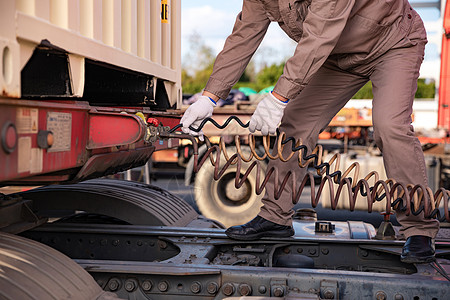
324,227
329,289
16,215
278,287
385,231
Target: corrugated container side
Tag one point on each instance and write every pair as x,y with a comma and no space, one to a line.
141,36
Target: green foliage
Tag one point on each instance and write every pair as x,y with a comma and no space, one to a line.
269,75
198,66
195,83
365,92
199,56
425,90
245,77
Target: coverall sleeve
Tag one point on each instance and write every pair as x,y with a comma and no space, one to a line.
322,28
249,29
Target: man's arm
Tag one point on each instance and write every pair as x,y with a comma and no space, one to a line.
248,32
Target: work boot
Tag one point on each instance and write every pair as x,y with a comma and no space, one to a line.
258,228
418,249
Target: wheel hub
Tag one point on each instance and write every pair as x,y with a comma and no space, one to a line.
235,194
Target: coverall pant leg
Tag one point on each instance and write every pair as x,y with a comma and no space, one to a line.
304,117
394,78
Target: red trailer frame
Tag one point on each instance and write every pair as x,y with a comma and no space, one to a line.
67,141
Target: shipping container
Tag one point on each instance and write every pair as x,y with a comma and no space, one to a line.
74,75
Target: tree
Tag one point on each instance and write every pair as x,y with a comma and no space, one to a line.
269,75
195,83
425,89
198,64
365,92
199,56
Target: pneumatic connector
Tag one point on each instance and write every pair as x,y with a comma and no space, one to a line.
155,131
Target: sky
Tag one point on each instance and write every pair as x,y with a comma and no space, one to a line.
213,21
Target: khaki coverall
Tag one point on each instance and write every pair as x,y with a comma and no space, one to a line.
342,44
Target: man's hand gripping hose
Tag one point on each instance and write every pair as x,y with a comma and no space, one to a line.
267,115
193,116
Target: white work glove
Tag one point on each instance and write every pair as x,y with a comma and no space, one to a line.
267,115
195,114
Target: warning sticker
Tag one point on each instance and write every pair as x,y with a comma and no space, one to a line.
24,157
164,11
27,120
61,125
36,164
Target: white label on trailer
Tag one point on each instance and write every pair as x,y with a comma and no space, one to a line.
27,120
61,125
37,156
24,157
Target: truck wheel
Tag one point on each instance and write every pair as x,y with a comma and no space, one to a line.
31,270
220,200
133,202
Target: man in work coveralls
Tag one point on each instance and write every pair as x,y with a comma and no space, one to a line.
342,44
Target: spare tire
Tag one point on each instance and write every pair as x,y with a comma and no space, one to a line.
220,200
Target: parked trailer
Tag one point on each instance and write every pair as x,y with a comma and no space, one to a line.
84,85
78,55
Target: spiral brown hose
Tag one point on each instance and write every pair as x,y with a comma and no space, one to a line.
409,198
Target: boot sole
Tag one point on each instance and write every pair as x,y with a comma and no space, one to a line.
417,260
256,236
